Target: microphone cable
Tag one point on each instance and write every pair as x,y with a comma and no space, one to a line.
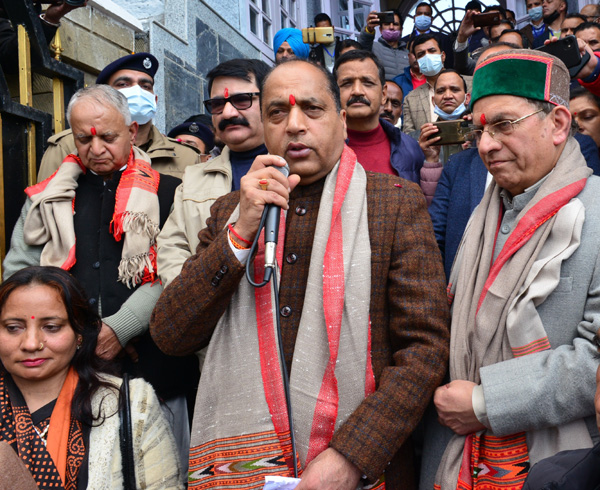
271,273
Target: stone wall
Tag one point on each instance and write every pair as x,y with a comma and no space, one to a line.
91,38
189,38
94,36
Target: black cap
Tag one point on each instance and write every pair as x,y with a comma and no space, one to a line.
196,129
474,5
205,119
144,62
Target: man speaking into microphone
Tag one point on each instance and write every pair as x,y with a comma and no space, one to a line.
362,309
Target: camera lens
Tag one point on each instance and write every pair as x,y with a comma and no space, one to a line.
75,3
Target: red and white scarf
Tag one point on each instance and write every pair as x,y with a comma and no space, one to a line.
494,317
240,430
136,217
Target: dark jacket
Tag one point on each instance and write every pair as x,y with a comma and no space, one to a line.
404,81
460,189
538,41
98,256
406,155
578,468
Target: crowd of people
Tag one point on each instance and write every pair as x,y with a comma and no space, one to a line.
433,315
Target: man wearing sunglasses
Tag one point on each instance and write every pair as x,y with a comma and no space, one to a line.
525,287
233,88
133,76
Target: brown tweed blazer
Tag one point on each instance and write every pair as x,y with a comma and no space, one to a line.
409,312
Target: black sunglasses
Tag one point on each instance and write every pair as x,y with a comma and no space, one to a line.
239,101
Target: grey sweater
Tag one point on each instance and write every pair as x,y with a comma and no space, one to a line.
394,60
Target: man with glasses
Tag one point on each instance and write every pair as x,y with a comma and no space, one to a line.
133,76
464,179
524,286
233,88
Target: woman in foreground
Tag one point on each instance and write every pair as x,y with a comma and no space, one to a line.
59,407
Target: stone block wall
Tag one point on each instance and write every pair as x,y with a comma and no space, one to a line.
189,38
94,36
91,37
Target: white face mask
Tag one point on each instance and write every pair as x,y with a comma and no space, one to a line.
454,115
431,64
142,104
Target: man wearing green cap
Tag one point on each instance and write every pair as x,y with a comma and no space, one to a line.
525,287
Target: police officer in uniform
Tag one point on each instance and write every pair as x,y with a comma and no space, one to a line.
196,134
133,75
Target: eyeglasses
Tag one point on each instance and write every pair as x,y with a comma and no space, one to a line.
239,101
497,130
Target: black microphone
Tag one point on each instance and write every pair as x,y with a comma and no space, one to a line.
272,230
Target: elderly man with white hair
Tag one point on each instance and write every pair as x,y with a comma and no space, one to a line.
98,216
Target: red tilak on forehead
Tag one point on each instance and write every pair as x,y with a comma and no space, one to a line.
226,93
292,100
93,131
483,121
33,318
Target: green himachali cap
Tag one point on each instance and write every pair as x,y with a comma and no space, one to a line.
522,73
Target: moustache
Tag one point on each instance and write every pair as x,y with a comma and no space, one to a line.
234,121
387,115
360,99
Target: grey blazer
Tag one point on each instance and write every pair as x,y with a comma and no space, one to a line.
552,387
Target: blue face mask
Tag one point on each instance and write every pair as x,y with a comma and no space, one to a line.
142,104
535,13
456,113
423,22
431,64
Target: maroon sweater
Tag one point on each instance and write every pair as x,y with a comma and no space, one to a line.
372,150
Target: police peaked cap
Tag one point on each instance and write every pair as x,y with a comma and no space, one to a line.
196,129
144,62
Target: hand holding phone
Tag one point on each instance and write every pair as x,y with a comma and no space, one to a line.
487,19
386,17
451,132
567,51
